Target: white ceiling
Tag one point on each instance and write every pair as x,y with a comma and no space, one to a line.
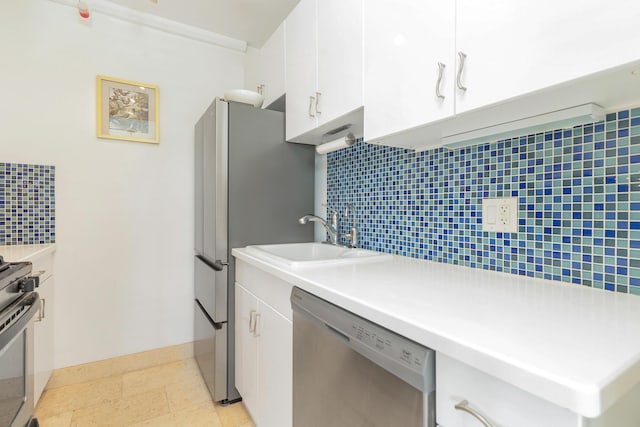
250,20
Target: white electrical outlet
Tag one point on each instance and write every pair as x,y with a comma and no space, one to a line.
500,214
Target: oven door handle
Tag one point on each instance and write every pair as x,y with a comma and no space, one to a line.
12,324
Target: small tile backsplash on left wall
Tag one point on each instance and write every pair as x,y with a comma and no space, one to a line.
27,204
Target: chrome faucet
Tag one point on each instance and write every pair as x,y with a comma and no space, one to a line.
331,227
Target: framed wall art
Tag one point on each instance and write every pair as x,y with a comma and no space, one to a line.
127,110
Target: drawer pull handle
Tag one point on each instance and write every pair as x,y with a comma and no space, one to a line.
441,67
464,406
41,312
256,326
252,321
318,102
462,57
311,99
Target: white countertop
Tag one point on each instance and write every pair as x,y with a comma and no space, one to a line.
576,347
15,253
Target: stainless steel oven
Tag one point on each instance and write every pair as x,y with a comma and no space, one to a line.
19,304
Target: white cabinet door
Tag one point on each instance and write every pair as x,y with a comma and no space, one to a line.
339,58
246,356
263,360
43,338
517,47
264,68
253,74
275,373
404,42
301,69
502,404
272,63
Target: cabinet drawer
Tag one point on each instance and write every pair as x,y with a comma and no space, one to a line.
502,404
273,291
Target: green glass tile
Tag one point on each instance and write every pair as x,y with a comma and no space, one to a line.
635,112
634,272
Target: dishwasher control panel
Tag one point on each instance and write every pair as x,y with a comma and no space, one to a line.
391,345
406,359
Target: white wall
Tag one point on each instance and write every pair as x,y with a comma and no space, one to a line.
124,263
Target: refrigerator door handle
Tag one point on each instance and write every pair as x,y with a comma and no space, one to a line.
219,265
216,325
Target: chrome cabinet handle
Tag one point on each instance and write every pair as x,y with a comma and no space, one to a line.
311,113
464,406
318,102
261,89
252,321
256,334
441,67
462,57
41,312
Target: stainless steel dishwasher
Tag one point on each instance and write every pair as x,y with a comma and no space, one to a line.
350,372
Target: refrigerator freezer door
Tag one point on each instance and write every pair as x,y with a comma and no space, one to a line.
211,289
215,182
210,352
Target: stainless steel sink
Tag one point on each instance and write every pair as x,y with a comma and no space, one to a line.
313,254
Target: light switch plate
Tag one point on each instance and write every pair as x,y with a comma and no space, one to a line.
500,214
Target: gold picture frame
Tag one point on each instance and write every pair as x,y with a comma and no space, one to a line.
127,110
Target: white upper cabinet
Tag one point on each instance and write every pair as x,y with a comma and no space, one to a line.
502,62
301,69
409,61
323,67
339,24
265,67
518,47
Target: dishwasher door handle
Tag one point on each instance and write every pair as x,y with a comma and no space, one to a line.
337,332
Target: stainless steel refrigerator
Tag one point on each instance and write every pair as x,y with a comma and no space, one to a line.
250,188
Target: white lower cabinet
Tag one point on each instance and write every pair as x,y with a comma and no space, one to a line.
263,359
43,338
264,374
246,356
504,405
501,404
43,325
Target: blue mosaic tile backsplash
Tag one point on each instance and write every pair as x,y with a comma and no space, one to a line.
27,204
578,191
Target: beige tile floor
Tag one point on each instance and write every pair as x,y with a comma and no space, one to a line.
171,394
